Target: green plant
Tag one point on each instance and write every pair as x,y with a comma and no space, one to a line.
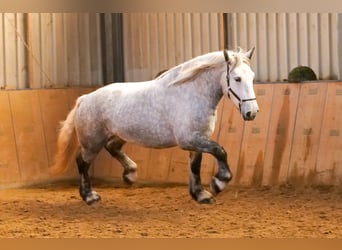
301,73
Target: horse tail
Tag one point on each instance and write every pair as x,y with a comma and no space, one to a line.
67,143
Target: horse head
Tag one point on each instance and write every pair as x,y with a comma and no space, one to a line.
238,82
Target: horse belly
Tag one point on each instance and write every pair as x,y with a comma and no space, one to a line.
148,130
147,136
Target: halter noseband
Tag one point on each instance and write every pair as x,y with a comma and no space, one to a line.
230,90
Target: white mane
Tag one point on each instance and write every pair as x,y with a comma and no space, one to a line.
192,68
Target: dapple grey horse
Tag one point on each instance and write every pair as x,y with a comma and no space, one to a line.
178,108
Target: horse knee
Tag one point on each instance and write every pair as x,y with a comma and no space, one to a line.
220,153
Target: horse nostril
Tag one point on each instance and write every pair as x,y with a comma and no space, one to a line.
248,114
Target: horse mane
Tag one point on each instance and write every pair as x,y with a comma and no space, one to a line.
194,67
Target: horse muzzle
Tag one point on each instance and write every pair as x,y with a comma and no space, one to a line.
249,110
249,116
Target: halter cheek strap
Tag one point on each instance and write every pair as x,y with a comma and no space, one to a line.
230,90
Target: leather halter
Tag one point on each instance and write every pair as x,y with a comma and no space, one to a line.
230,90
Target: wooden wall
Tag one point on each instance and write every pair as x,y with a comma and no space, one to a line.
296,138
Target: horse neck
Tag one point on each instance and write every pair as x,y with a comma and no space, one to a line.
210,86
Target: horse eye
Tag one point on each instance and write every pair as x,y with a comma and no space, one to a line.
237,79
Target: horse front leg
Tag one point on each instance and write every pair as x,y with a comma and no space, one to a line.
195,186
200,143
223,175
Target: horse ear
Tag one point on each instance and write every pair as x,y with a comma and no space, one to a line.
249,53
226,56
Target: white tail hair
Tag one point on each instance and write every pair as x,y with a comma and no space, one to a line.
67,144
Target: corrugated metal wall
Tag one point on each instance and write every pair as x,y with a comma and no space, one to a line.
159,41
39,50
286,40
13,70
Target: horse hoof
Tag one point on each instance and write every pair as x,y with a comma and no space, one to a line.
205,198
130,178
207,201
216,186
92,197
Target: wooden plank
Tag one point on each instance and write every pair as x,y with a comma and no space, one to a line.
158,164
29,135
306,136
2,54
329,161
54,107
9,167
280,133
179,166
252,156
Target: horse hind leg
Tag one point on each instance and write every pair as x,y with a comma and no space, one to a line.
114,146
83,161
